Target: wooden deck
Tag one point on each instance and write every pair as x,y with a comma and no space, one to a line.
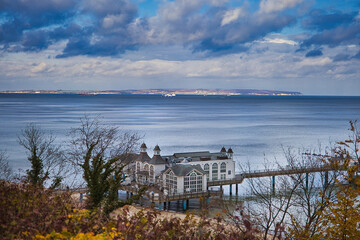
239,178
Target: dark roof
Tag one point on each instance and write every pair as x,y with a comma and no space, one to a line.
157,148
192,154
143,157
143,145
230,150
223,150
156,160
184,169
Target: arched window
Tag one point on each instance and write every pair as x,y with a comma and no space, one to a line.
193,182
171,182
223,171
207,171
138,167
214,171
223,167
146,167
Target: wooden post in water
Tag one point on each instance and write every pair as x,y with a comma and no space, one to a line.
237,189
230,189
326,178
273,185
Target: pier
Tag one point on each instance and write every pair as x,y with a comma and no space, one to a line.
161,199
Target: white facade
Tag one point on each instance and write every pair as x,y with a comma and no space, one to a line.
192,182
184,172
217,169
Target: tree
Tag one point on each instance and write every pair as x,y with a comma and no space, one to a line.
45,156
101,152
268,209
341,218
308,202
5,170
333,212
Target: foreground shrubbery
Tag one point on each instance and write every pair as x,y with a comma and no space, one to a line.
28,212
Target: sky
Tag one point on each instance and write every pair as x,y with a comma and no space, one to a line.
308,46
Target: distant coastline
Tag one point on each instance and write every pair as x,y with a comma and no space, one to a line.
164,92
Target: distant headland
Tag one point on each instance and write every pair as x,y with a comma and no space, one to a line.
167,92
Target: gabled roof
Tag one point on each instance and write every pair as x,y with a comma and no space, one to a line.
157,160
183,170
143,157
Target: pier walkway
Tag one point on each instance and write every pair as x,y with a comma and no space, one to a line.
154,194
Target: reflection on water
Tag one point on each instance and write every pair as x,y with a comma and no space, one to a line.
254,126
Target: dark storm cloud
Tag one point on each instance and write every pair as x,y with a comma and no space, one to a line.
320,19
333,29
20,16
111,27
209,32
34,25
314,53
341,57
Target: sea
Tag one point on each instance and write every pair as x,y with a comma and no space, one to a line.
257,128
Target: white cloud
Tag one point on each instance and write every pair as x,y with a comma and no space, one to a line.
280,41
232,15
269,6
41,67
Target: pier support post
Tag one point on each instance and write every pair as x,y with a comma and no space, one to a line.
185,206
164,205
273,185
127,195
237,189
207,201
187,203
81,197
160,206
230,189
307,181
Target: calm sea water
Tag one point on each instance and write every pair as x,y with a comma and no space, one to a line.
254,126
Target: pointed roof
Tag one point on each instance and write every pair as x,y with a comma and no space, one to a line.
230,151
157,160
143,157
157,148
184,169
223,150
143,145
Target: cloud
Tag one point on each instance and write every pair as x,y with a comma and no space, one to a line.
320,19
341,57
269,6
112,27
332,29
232,15
314,53
41,67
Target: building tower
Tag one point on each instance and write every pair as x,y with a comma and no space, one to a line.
157,150
143,148
223,150
230,153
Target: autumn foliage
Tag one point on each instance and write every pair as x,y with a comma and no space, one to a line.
29,212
